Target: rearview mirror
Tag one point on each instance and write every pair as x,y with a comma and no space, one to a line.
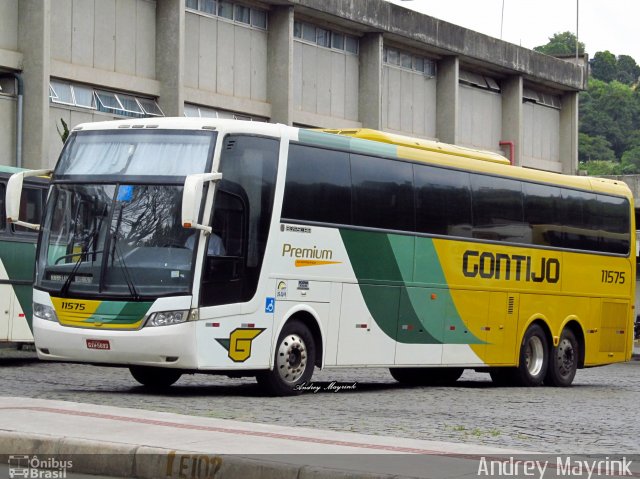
14,194
192,198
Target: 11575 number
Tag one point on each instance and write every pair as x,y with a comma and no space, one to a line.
612,277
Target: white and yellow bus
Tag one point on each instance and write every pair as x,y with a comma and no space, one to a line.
175,246
17,259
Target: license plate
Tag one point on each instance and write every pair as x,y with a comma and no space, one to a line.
98,344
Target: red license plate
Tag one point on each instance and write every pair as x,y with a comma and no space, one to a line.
98,344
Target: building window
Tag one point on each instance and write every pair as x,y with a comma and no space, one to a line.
322,37
196,111
8,85
409,61
83,96
546,99
477,80
231,11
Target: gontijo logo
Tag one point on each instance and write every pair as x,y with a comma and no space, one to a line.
239,343
510,267
308,256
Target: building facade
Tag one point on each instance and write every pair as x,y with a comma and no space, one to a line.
310,63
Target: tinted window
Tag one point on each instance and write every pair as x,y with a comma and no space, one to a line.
613,224
318,186
382,193
541,213
223,279
443,201
575,212
31,204
497,210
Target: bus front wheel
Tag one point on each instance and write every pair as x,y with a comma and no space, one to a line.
293,363
155,378
564,361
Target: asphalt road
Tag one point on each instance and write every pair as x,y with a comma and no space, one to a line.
599,414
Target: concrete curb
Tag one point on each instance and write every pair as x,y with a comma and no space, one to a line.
125,460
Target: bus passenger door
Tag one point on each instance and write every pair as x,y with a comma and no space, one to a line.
236,307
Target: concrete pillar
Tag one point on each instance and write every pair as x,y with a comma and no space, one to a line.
170,26
280,64
448,99
512,116
569,133
34,37
370,81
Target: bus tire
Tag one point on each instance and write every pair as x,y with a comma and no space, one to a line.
426,376
534,358
155,378
563,361
293,363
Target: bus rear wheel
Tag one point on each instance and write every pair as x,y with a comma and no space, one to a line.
155,378
533,363
564,361
293,363
426,376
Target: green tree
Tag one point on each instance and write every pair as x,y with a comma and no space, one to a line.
610,110
594,148
601,168
561,44
64,133
631,161
628,70
604,66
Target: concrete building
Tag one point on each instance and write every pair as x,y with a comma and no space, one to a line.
319,63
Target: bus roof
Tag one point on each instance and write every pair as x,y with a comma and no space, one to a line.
421,144
364,141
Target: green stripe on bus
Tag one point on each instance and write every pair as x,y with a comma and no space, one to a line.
326,140
405,293
18,259
354,145
120,312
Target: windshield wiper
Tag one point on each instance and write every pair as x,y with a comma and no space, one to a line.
127,275
113,248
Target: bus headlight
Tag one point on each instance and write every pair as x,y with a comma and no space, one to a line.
43,311
166,318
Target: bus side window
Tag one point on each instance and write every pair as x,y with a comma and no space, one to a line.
382,194
31,203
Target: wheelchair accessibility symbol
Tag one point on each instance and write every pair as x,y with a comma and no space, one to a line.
270,306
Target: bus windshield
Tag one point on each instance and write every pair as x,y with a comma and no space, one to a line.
119,153
107,231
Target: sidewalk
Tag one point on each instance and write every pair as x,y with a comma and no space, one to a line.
123,442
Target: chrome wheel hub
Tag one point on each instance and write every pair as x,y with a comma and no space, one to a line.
291,360
534,355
